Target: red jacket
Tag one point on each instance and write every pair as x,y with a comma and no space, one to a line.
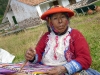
79,48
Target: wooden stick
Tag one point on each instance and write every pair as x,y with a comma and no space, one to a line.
23,65
27,60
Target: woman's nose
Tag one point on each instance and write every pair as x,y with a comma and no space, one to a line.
59,20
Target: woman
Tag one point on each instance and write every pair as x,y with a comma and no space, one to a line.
61,46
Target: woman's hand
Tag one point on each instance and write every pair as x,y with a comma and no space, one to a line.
30,54
56,71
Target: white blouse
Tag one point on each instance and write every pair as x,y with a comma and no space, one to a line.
54,50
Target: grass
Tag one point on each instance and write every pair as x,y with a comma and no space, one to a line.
89,25
18,44
97,3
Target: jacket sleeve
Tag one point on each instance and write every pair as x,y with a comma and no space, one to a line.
41,46
81,50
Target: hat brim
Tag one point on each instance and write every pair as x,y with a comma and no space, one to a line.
57,10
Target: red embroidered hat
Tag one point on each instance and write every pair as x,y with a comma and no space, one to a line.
57,9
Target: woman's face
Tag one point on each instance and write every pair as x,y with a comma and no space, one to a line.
59,22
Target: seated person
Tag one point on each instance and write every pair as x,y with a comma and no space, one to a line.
62,46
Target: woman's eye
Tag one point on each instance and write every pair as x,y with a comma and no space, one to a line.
62,16
54,18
